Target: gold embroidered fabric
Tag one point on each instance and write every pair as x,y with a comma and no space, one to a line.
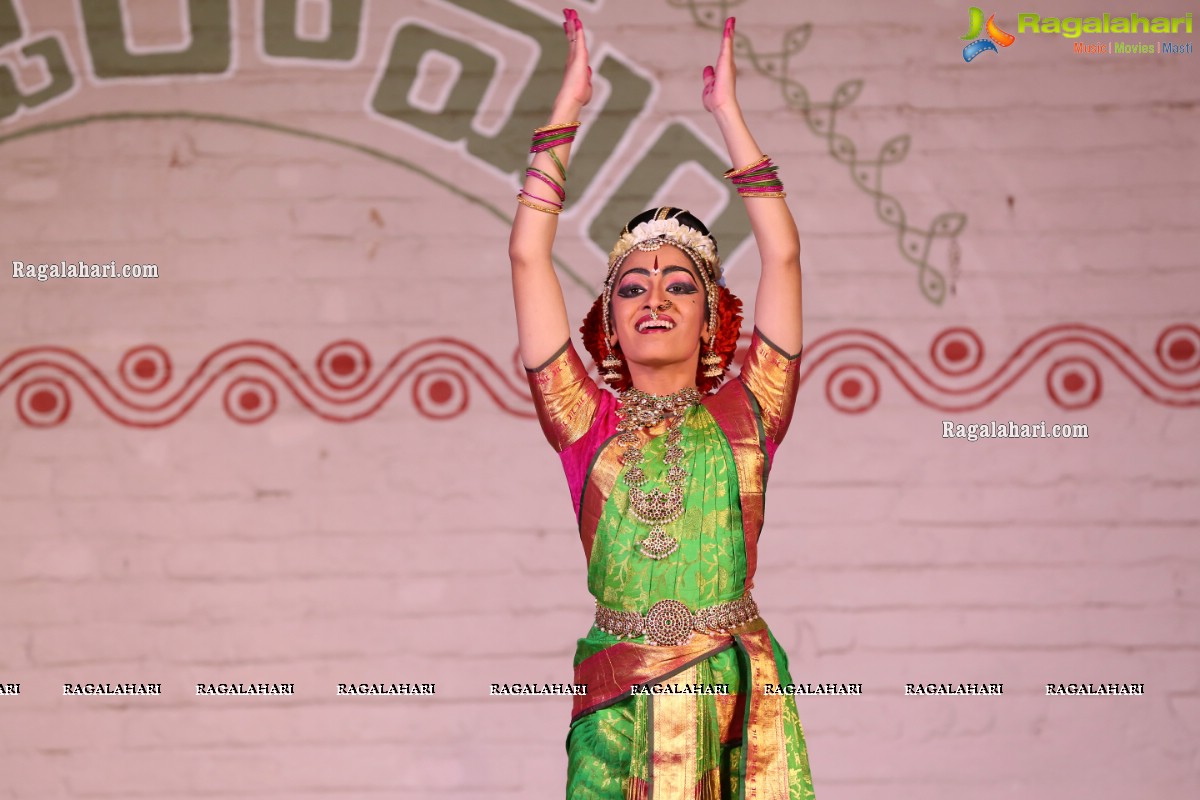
565,397
771,375
673,755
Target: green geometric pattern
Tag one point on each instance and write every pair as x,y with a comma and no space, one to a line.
822,119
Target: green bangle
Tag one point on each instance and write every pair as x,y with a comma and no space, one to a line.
555,137
561,169
762,171
547,177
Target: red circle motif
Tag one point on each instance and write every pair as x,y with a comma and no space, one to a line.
43,403
852,389
1178,348
344,364
956,351
440,393
250,400
1073,382
145,369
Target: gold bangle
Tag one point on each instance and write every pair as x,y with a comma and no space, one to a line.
558,127
537,206
766,194
733,173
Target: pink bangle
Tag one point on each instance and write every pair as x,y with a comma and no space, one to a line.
539,147
529,173
766,176
541,199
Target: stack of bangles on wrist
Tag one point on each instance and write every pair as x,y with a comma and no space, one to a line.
757,180
546,139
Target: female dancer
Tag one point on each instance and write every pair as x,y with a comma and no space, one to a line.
667,479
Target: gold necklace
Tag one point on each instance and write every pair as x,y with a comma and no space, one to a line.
655,508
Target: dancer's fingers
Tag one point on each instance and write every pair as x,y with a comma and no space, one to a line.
580,36
569,26
727,40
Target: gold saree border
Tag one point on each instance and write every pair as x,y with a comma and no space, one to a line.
611,675
597,486
673,745
731,715
731,408
764,745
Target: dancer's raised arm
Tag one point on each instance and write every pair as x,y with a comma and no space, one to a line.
542,326
777,306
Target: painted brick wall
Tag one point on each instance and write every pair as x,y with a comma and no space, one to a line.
186,497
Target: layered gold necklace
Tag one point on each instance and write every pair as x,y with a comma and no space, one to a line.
655,508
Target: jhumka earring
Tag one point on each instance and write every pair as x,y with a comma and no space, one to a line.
612,363
711,360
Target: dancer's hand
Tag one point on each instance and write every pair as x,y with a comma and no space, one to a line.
577,76
719,93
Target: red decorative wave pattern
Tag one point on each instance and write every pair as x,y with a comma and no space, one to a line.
441,374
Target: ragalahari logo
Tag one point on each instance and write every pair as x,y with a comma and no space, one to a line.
995,36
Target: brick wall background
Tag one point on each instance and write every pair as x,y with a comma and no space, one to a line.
247,516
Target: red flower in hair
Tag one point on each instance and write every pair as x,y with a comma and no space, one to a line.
729,326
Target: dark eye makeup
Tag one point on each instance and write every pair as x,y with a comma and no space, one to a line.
678,287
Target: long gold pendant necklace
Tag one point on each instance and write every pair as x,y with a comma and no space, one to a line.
655,508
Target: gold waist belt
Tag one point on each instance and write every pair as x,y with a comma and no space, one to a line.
670,622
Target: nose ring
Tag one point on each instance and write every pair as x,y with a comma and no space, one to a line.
660,307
